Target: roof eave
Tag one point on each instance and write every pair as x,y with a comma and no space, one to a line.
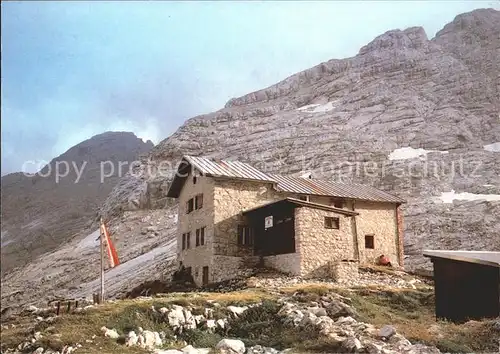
302,203
220,177
460,258
176,186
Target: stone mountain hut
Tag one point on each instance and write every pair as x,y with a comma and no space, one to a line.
234,217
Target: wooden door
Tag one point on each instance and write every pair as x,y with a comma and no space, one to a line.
205,275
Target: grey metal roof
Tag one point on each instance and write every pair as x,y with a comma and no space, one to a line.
298,185
481,257
224,168
331,188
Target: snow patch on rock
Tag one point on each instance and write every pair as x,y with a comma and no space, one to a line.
449,197
495,147
317,108
308,107
405,153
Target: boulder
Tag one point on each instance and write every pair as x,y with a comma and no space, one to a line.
236,310
199,319
352,344
221,323
337,309
110,333
189,320
318,311
308,318
258,349
230,346
151,340
346,320
176,317
192,350
373,348
209,313
325,324
210,324
131,339
386,332
68,349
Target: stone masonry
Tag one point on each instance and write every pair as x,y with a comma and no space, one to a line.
379,220
317,245
201,256
344,271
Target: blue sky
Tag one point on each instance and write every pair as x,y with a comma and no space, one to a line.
71,70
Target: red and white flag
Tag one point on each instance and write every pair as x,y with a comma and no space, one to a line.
110,248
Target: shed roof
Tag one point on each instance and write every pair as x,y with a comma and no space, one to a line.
300,203
299,185
479,257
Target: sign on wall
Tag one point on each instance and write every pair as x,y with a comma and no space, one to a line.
268,222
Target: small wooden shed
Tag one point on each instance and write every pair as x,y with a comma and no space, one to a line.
466,284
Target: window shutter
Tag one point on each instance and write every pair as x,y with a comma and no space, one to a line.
240,235
197,237
202,235
250,236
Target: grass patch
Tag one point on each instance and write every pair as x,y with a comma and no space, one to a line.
200,339
123,315
308,292
261,325
133,316
411,312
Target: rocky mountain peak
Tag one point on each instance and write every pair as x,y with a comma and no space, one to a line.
410,38
480,23
41,211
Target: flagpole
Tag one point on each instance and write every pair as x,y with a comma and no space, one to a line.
102,261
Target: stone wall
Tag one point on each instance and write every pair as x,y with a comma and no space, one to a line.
316,245
230,199
348,203
379,220
344,271
196,257
286,263
225,268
